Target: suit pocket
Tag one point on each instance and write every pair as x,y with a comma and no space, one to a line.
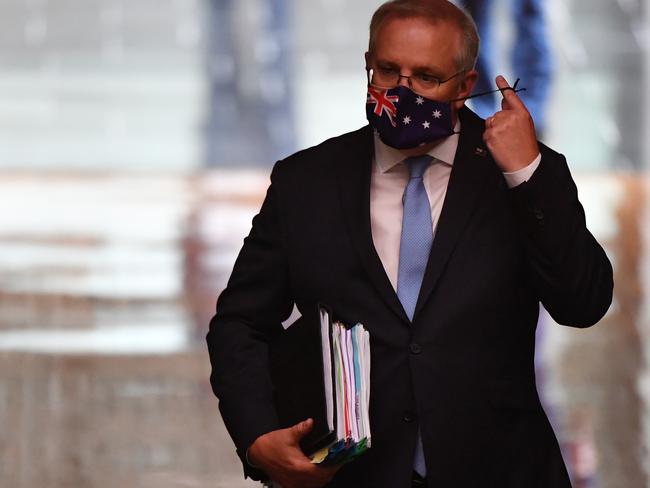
514,393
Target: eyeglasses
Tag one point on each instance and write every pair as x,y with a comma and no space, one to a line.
419,82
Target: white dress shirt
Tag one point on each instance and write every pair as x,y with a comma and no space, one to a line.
389,179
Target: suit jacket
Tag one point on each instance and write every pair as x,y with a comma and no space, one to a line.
463,370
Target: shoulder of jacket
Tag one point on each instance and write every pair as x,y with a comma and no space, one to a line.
321,156
548,152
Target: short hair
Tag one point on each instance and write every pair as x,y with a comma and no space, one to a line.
434,11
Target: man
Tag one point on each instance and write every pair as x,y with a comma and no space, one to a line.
441,236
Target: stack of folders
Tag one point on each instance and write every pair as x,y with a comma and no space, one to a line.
321,369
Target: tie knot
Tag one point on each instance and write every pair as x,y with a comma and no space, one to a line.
418,164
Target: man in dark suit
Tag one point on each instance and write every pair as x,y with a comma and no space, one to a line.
496,216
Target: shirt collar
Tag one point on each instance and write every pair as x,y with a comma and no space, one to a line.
388,157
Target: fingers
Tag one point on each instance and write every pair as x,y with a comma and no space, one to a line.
496,119
301,429
304,474
279,454
320,475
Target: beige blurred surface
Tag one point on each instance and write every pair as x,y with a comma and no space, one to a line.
107,284
114,244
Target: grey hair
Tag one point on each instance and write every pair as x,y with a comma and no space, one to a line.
434,11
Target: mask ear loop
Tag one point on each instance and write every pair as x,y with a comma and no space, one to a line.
513,88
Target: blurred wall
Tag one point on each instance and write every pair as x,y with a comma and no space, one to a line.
101,83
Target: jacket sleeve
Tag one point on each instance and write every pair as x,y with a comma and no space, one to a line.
249,315
568,268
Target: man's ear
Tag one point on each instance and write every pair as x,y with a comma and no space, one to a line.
465,88
367,56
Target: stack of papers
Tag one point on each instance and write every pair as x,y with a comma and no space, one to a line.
346,382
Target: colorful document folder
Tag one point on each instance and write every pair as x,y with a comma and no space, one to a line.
321,369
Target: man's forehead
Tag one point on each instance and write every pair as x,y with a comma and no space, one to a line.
435,24
447,29
437,47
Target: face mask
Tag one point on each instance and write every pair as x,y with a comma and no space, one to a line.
405,120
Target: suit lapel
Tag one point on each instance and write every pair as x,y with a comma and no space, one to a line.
469,174
353,174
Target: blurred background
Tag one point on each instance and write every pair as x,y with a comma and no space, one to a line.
136,141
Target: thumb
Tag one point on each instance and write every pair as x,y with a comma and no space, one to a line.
510,99
301,429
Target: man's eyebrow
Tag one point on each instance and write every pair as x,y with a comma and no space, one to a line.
417,69
428,69
385,62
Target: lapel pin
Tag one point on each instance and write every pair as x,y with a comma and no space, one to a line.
479,151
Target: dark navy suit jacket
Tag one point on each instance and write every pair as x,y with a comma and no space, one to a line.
463,371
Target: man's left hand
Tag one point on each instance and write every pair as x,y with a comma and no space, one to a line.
510,133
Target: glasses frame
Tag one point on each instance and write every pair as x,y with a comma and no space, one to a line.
370,71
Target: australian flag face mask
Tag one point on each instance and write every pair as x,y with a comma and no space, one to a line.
405,120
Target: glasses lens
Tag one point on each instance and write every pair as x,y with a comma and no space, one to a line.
426,82
385,78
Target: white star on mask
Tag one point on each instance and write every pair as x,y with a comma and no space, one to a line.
407,120
437,114
426,124
419,100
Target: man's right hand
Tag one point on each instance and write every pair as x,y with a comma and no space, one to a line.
278,453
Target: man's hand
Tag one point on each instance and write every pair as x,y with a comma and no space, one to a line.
279,455
510,133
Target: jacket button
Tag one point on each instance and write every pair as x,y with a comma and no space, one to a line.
408,416
415,348
539,214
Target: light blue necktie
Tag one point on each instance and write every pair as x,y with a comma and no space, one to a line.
414,248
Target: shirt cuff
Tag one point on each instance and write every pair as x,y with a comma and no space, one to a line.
516,178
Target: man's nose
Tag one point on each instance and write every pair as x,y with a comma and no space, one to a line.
404,80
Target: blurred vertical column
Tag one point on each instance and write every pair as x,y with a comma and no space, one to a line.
631,93
529,52
644,32
250,119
